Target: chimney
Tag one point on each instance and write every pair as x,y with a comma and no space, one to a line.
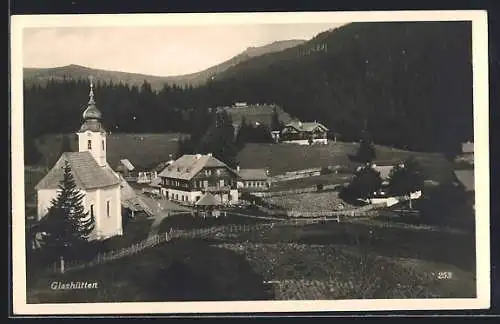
238,168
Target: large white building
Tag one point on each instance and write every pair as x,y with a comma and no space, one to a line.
190,178
100,185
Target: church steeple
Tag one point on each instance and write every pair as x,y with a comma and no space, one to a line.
92,116
92,135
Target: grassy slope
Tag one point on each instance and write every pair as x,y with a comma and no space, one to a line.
143,150
321,260
279,158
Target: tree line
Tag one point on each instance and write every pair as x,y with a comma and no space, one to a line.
408,84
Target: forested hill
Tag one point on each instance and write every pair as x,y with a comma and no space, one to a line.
40,76
410,83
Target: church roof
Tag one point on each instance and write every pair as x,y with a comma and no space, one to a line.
87,173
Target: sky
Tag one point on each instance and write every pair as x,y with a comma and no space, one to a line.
156,50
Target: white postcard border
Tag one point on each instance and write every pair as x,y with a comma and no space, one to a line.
481,146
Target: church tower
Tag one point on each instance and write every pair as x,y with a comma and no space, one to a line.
92,136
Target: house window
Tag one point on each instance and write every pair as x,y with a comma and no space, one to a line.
89,144
229,197
91,210
103,145
197,198
207,172
108,208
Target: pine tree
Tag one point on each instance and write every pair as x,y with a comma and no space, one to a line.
276,124
366,151
405,179
67,225
366,181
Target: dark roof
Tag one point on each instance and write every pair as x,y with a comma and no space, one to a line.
187,166
466,178
306,126
87,173
253,174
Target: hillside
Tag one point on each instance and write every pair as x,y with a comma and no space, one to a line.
410,83
75,72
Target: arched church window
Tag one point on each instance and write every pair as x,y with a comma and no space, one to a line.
89,144
103,145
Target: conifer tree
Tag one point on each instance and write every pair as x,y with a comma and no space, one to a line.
406,178
67,225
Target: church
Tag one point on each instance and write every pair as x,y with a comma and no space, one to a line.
102,187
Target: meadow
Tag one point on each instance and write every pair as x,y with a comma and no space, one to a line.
261,114
143,150
321,261
148,150
280,158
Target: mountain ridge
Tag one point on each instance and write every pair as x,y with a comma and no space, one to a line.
40,76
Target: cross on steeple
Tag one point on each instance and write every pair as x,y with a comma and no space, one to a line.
91,94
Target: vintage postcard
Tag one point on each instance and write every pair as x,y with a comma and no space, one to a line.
250,162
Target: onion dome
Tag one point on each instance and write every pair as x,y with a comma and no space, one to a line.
92,116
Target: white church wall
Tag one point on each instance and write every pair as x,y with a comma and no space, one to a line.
109,224
44,198
97,149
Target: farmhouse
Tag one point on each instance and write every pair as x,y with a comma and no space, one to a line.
301,133
253,179
466,181
93,176
467,153
191,177
384,171
126,169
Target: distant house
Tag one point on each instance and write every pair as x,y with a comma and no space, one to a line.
306,133
384,171
191,177
467,153
253,179
466,181
240,104
126,169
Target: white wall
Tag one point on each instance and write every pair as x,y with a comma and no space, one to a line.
97,150
306,142
104,226
189,196
44,201
107,226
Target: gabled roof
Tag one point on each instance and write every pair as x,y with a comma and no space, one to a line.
187,166
466,178
126,163
253,174
306,127
384,170
207,200
468,147
87,173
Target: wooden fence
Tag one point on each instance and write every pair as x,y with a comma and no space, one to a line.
269,194
298,218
